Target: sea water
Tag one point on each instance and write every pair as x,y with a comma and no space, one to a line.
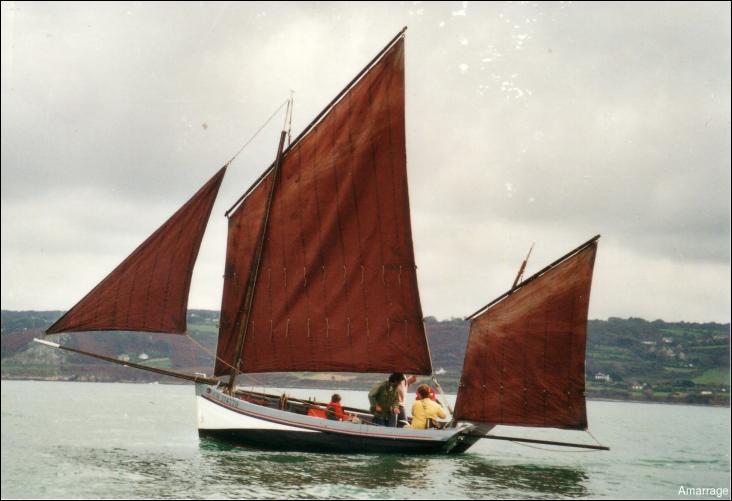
99,440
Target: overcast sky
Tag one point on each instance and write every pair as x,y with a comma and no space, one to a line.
526,122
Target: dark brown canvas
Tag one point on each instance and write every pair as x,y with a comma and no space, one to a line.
148,291
337,285
525,359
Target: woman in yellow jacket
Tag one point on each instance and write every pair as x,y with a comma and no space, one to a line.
424,409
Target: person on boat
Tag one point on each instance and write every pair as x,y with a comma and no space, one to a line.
384,401
334,410
402,391
432,396
425,410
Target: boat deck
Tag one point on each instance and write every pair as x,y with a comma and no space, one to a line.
277,422
311,407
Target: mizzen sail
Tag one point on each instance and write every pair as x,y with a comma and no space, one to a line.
525,359
148,291
337,286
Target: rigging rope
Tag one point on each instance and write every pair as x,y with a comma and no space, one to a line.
593,437
216,357
442,394
258,131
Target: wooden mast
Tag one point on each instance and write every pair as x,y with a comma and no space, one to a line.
520,273
249,298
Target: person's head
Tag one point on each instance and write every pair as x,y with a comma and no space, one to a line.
423,391
396,378
335,398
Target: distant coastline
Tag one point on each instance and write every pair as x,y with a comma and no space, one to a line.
178,382
628,360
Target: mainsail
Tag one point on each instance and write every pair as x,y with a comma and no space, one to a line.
524,364
337,286
148,291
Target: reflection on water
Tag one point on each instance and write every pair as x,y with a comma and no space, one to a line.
279,471
549,481
218,470
469,472
392,474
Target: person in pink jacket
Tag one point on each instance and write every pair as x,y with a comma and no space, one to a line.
402,389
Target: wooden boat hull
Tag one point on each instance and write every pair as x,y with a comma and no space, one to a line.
236,421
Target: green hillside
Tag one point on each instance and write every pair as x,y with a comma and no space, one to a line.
626,358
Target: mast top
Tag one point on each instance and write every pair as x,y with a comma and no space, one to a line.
318,117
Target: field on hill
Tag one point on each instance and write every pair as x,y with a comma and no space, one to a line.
629,359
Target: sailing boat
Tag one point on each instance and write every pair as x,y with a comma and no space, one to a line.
320,276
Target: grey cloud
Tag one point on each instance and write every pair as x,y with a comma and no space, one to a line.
526,122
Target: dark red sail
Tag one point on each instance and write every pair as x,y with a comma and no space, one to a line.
244,227
337,286
525,359
148,291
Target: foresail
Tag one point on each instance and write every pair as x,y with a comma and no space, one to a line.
148,291
244,227
525,360
337,286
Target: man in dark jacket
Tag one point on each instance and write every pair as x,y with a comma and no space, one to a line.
384,400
